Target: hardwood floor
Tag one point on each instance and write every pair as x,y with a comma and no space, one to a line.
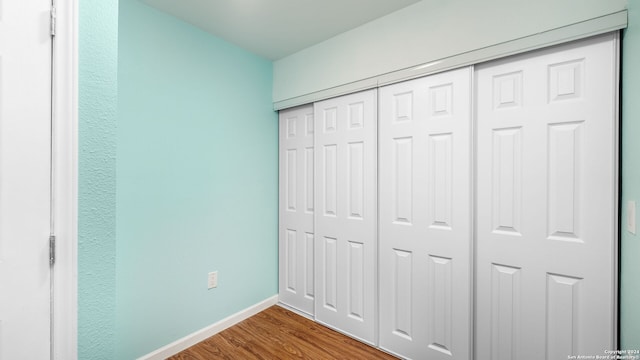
277,333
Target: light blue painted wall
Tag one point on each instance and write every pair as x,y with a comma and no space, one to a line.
630,247
97,98
197,180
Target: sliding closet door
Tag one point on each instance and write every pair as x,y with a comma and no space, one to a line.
345,219
425,217
546,219
296,209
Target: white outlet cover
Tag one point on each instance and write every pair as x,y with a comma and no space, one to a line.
631,216
212,280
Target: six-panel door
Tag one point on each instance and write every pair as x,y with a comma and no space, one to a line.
546,224
425,217
296,235
345,218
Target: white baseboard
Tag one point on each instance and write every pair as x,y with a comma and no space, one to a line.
202,334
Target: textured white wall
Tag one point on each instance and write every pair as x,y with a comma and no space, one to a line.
425,32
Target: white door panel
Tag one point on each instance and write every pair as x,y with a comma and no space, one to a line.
546,224
296,209
345,220
25,84
425,217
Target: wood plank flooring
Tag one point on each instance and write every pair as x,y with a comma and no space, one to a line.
277,333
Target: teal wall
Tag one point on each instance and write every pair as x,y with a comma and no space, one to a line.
197,180
630,247
97,98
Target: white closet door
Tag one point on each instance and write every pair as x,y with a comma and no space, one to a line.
425,217
296,209
546,219
345,220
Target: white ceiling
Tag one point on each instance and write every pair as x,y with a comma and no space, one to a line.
277,28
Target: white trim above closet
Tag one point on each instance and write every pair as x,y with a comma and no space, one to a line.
600,25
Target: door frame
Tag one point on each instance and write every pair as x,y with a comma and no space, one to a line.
65,181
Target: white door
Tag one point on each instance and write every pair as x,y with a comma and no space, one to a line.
345,218
546,197
296,209
425,217
25,83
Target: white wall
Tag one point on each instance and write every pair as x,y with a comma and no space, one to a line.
424,32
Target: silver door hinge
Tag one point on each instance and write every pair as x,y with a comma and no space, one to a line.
53,20
52,250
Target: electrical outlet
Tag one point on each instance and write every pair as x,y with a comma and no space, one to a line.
212,280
